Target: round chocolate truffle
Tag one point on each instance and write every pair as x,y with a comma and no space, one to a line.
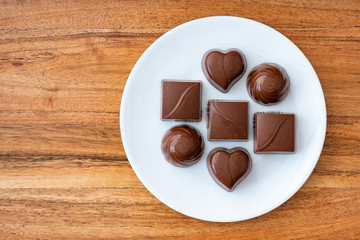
182,146
268,83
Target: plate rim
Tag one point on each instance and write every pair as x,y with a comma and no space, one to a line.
129,81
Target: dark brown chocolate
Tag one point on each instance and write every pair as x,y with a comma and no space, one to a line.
181,100
268,83
274,132
228,167
223,68
227,120
182,146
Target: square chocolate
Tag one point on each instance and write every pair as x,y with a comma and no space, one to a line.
274,132
227,120
181,100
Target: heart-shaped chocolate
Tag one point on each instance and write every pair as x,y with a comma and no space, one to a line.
223,69
228,167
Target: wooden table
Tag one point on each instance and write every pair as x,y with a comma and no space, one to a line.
63,170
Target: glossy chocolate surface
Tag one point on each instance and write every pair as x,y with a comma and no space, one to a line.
181,100
268,83
227,120
274,132
182,146
228,167
223,69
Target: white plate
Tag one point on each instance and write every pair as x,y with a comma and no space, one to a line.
177,55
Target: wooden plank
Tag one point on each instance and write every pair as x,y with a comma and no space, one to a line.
65,79
134,213
60,140
158,16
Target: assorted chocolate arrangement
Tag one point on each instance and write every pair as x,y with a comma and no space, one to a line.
274,132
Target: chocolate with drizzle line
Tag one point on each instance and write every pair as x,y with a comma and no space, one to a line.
227,120
181,100
274,132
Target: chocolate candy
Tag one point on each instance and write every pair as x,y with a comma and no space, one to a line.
228,167
182,146
227,120
268,83
223,68
181,100
274,132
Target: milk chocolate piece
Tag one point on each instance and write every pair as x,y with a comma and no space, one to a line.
274,132
182,146
268,83
181,100
223,68
228,167
227,120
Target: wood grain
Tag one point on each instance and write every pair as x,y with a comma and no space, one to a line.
116,213
63,170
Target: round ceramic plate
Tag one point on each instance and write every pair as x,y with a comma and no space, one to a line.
177,54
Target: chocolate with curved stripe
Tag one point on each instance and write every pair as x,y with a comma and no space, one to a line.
227,120
181,100
274,132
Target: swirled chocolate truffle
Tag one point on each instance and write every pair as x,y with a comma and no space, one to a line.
182,146
268,83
